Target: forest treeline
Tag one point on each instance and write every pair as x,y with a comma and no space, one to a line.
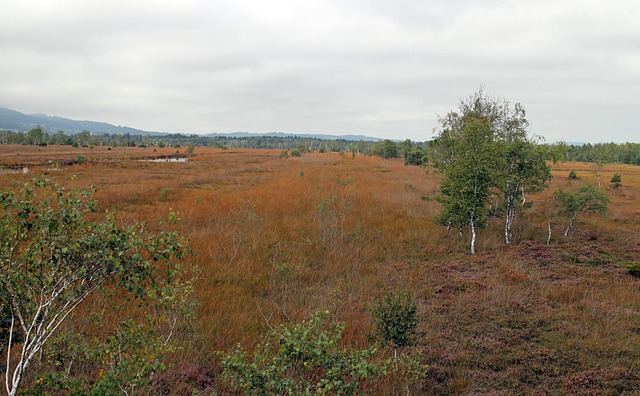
413,153
625,153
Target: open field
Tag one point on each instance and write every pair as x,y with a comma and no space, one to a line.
520,319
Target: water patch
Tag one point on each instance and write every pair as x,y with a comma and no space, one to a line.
24,170
166,160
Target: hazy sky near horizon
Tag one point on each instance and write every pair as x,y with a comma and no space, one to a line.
379,68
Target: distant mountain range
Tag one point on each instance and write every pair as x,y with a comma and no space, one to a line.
15,121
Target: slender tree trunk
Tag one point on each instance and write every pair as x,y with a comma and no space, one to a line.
510,198
473,237
573,219
511,214
549,237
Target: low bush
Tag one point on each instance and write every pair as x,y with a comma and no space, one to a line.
634,269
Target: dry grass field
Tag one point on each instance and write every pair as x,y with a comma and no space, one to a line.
276,239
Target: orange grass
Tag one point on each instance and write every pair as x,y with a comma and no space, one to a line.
526,318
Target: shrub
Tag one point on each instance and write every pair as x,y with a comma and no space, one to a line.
634,269
395,318
573,175
296,153
302,359
616,180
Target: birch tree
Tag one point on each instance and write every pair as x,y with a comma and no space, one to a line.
518,165
466,182
571,205
523,171
53,257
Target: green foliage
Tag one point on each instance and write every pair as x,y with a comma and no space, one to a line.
176,140
302,359
521,170
633,269
467,180
53,257
296,153
624,153
616,181
573,175
587,199
415,156
483,149
395,318
284,154
386,149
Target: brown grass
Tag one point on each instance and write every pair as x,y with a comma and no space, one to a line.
521,319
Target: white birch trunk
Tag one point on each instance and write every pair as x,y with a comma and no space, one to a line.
473,237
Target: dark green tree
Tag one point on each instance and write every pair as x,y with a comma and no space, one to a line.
386,149
516,165
468,178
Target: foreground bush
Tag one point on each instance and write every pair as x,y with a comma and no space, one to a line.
53,259
302,359
395,318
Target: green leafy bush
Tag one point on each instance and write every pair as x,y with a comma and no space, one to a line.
302,359
573,175
395,318
616,180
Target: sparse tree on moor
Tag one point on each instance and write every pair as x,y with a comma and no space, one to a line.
483,151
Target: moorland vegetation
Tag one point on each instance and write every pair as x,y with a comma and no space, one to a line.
321,272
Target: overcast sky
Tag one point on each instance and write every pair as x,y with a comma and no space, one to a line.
383,68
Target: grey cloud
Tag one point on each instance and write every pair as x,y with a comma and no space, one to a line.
376,67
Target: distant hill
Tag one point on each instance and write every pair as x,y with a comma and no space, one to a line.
15,121
300,135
